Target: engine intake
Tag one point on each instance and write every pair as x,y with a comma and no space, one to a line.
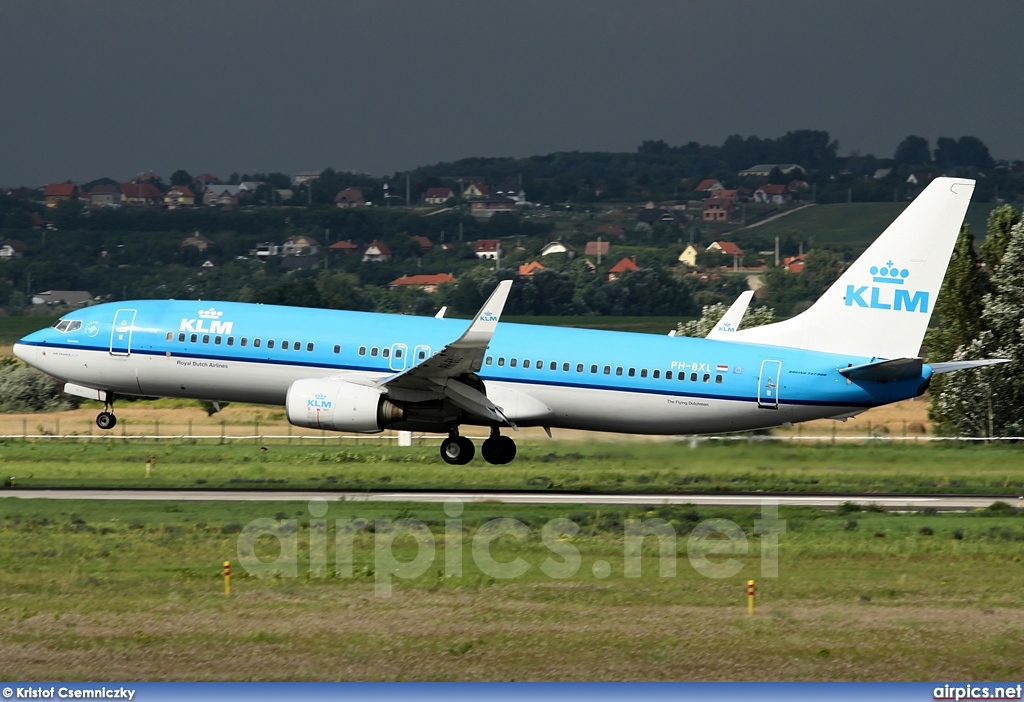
337,405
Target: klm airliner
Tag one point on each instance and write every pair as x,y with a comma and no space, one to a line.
857,347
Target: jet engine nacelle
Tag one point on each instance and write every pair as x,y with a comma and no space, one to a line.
337,405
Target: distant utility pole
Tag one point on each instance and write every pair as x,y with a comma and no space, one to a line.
599,251
408,199
776,252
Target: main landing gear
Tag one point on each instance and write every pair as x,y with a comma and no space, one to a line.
459,450
106,420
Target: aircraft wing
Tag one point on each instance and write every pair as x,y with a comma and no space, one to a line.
730,321
438,375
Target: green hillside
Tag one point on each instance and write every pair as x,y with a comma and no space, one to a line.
855,224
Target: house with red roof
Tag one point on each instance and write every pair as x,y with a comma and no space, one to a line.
725,247
437,196
377,252
57,193
489,249
140,195
349,197
424,243
794,264
709,185
476,189
773,193
426,283
625,265
528,269
343,247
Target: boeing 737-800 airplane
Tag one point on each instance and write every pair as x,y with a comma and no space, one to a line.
855,348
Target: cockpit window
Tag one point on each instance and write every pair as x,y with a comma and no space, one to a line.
67,325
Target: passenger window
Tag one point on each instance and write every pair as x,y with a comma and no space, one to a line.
718,379
216,340
170,336
657,374
398,353
487,361
231,341
668,375
362,350
682,377
373,352
526,363
554,365
512,362
181,338
565,368
386,352
245,341
423,355
618,370
693,377
270,343
593,369
707,377
206,338
607,370
501,360
579,367
284,345
256,343
643,372
194,338
337,348
297,346
632,372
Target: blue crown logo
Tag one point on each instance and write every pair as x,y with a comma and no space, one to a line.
889,273
320,396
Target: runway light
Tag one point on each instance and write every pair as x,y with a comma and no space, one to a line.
227,577
750,597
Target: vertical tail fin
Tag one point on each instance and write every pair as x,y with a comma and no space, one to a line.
881,304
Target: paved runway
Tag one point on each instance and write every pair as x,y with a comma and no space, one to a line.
912,502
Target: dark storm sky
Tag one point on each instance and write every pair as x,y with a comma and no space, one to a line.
91,89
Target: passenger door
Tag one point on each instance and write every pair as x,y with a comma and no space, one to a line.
121,332
768,384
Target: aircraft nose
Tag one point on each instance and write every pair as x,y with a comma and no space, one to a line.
22,351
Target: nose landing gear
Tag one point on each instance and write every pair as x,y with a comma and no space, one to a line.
106,420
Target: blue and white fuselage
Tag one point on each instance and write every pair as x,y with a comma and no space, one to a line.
550,376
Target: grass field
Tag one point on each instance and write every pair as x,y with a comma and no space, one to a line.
856,224
724,466
132,591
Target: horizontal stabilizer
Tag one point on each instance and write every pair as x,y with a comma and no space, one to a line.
951,366
884,371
